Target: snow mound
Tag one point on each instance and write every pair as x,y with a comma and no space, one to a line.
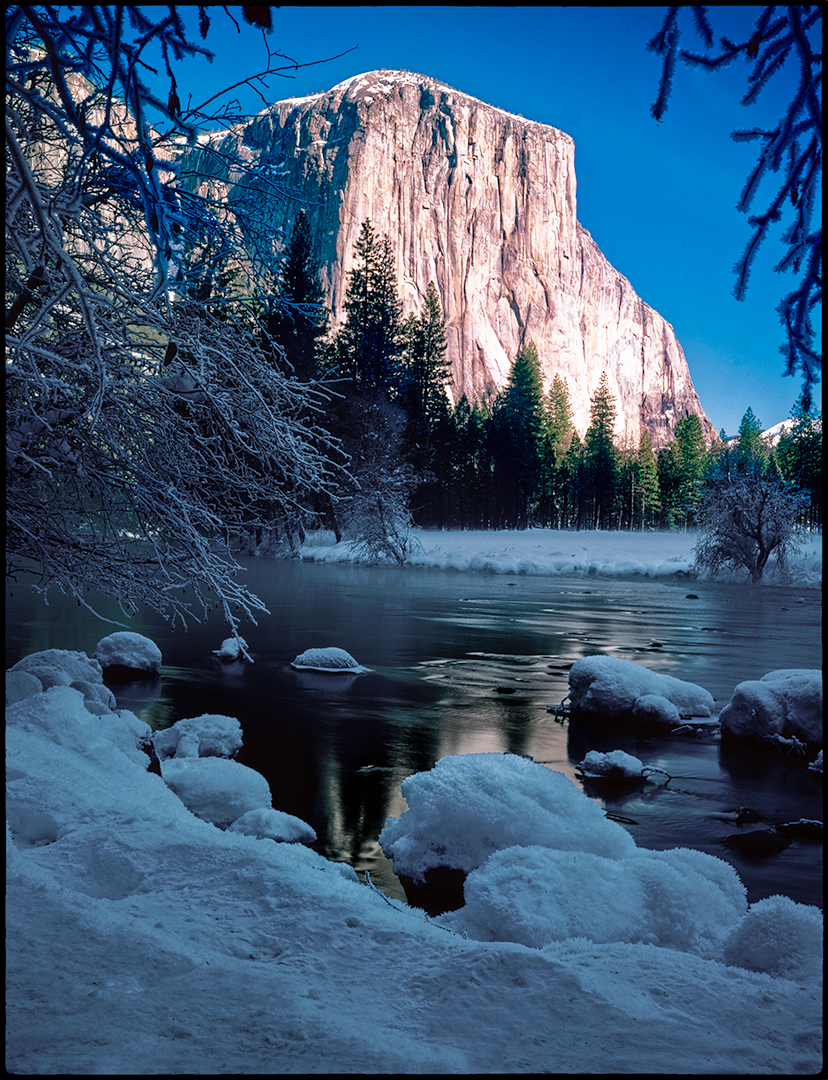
681,899
210,735
470,805
215,789
613,687
231,648
780,707
614,763
60,667
61,760
778,937
331,659
126,649
275,825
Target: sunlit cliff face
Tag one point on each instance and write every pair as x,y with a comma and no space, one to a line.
483,203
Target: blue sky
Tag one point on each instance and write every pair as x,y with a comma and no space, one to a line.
659,199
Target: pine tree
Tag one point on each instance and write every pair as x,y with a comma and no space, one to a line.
367,347
694,462
422,396
799,458
601,455
298,318
558,431
647,499
517,431
751,448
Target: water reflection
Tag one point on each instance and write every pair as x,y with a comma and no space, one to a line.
443,648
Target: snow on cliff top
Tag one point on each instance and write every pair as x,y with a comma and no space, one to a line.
383,80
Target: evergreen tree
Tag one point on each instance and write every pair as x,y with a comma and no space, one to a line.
647,498
426,370
671,485
298,318
601,456
557,439
367,347
422,396
694,463
517,430
751,449
799,458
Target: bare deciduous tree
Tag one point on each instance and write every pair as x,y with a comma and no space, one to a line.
143,427
744,519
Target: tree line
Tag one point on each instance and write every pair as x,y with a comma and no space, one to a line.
173,386
512,461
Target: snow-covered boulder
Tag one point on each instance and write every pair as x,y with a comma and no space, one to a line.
778,937
330,659
470,805
210,735
781,707
615,765
231,648
216,789
681,899
127,651
609,686
60,667
20,685
266,823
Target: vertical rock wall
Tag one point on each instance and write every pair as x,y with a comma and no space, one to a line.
483,203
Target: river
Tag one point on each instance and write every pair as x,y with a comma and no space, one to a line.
469,662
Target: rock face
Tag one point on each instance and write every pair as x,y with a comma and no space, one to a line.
482,202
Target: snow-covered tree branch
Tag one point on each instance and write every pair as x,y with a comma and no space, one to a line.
793,149
143,428
744,519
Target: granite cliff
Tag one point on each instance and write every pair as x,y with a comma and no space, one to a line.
482,202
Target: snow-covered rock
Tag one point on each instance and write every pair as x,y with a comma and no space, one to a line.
779,937
616,763
275,825
680,899
780,707
330,659
129,650
609,686
231,648
60,667
216,789
470,805
210,735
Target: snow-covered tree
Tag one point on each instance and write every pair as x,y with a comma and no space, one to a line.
744,519
781,37
143,428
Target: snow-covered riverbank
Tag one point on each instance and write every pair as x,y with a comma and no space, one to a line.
549,552
142,939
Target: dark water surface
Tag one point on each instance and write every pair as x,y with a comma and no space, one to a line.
335,748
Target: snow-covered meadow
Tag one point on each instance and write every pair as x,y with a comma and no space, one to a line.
170,919
554,553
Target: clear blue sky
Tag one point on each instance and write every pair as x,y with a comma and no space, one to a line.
659,199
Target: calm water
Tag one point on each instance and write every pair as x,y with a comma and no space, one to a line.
335,748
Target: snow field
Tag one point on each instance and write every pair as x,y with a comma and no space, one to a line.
553,553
